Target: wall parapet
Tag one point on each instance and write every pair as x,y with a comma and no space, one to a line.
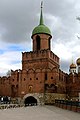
40,54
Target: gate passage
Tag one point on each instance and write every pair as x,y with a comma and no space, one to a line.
30,101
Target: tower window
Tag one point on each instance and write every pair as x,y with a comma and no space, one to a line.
49,43
36,78
38,42
30,88
45,76
51,77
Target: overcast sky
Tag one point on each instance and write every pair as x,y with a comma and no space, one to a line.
19,17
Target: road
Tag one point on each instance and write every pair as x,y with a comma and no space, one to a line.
38,113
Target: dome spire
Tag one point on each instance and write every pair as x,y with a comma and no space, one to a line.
41,28
41,16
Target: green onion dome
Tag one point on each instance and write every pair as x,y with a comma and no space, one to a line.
41,28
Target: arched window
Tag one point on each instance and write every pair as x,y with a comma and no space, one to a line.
38,42
30,88
49,43
46,76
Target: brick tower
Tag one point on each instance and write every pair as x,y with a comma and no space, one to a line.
40,66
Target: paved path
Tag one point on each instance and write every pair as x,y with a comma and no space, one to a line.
38,113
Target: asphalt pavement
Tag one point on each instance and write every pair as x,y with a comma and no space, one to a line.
38,113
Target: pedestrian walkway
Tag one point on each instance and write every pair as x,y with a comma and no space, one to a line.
38,113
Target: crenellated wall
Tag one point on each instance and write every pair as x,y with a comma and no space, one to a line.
39,59
32,55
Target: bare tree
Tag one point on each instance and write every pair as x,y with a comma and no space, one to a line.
8,73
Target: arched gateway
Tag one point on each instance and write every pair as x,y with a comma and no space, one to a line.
31,100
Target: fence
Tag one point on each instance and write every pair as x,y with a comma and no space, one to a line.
68,104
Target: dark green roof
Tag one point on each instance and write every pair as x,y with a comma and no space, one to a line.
41,28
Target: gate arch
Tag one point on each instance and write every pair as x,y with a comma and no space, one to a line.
30,99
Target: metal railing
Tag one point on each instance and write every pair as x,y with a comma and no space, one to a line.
68,102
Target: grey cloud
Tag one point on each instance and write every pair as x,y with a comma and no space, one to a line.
16,19
19,17
66,11
64,65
